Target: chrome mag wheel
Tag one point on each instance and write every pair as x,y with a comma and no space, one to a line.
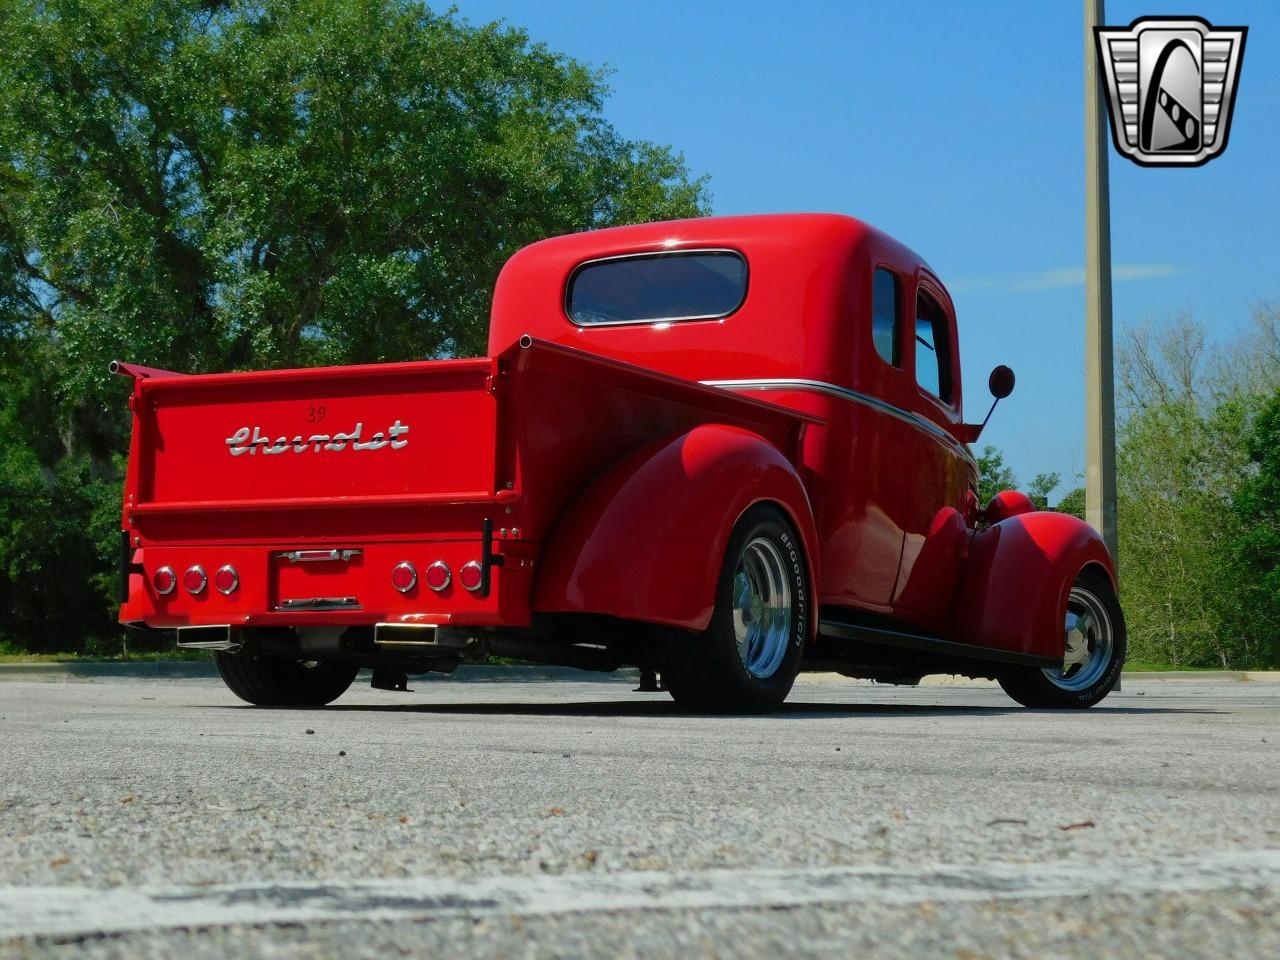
761,612
1090,642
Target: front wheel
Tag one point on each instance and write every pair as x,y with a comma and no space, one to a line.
278,682
1094,645
748,657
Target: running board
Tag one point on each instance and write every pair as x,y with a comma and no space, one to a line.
927,644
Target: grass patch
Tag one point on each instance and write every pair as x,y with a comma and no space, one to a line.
9,655
1155,666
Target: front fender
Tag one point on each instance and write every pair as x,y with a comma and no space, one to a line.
646,539
1018,575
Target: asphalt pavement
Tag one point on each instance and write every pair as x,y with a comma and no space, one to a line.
162,818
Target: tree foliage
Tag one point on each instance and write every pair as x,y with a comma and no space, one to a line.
1073,502
233,185
995,475
1041,485
1194,487
1256,505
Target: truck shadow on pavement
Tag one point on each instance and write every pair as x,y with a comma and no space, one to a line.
789,711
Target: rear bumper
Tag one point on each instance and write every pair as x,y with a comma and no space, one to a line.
352,589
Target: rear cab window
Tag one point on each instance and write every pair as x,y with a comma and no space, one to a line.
933,348
667,287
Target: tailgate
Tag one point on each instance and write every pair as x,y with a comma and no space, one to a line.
386,433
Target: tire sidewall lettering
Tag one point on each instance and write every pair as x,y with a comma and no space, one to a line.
802,601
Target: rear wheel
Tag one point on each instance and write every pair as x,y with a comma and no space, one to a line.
748,657
278,682
1094,651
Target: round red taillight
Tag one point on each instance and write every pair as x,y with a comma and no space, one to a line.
470,576
226,579
404,577
438,575
164,580
194,580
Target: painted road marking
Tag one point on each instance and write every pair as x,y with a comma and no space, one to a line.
73,911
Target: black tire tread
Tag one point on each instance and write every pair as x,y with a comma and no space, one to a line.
695,672
276,682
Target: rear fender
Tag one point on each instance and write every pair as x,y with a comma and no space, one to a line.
1019,572
646,539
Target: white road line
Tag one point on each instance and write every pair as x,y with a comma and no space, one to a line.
71,911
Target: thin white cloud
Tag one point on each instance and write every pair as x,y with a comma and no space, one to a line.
1063,277
1142,271
1051,279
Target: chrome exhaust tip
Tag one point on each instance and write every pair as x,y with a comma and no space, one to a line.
210,638
406,635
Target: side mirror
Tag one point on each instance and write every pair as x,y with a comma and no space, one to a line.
1001,382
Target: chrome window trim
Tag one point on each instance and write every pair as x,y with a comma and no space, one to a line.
844,393
654,255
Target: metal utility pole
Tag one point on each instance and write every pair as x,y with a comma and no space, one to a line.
1099,382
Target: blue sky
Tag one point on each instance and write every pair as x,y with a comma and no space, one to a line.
957,128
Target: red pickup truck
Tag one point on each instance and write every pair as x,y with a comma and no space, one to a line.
721,449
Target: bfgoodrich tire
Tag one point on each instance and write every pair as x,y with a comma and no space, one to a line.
747,659
1095,642
277,682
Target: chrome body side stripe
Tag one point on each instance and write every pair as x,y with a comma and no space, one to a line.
844,393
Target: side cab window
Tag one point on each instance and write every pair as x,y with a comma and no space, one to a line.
933,348
884,315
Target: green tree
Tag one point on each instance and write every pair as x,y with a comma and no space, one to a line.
1183,461
993,474
1072,502
1041,485
1173,534
208,185
1257,509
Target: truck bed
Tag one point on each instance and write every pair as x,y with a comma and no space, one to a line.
384,463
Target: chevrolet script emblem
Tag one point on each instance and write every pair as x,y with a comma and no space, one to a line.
252,441
1171,84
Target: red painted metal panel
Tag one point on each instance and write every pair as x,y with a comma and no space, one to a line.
576,414
875,480
267,578
540,423
362,434
646,540
1016,579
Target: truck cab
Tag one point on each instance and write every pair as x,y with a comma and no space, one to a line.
725,449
